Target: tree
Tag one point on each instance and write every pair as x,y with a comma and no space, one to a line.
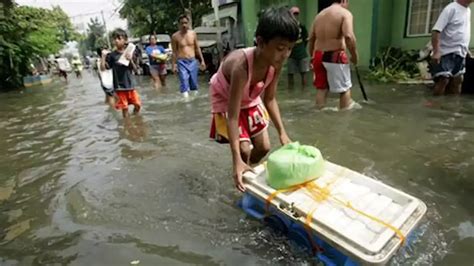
160,16
95,37
27,33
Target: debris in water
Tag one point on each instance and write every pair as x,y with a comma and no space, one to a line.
14,214
15,231
6,191
135,262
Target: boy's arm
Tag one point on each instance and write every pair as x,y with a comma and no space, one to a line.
174,46
199,52
104,65
237,83
273,110
132,64
349,37
443,20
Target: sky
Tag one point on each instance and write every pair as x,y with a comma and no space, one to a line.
82,11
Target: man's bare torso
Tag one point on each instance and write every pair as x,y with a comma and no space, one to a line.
186,44
328,29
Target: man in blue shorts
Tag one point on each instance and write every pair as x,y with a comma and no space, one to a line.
185,46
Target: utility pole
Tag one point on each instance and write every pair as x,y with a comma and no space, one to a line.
106,31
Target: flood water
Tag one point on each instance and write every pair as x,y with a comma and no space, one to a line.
78,186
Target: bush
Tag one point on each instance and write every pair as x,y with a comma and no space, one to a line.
394,64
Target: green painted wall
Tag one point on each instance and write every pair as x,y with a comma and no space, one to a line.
249,19
399,28
250,9
384,24
362,10
310,10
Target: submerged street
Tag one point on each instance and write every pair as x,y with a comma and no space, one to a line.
78,186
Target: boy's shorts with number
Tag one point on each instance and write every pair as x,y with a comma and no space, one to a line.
252,122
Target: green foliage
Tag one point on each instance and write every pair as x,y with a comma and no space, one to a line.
394,64
95,37
160,16
27,33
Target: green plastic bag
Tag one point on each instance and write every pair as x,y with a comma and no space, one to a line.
294,164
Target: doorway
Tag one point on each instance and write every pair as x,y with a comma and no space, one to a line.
322,4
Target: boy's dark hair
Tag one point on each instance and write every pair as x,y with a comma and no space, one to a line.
277,22
336,1
119,33
183,16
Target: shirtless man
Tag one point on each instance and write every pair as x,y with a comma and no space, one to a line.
331,33
185,46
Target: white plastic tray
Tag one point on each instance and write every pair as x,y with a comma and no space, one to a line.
359,237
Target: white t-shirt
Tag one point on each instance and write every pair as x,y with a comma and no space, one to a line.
454,23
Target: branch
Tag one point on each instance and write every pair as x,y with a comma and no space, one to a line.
182,5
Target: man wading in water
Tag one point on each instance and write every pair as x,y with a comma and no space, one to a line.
332,31
185,46
450,39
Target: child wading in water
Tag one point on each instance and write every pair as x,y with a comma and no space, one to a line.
124,81
239,115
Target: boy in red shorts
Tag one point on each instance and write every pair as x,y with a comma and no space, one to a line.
246,75
124,81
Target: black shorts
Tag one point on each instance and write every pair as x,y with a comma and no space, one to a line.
108,92
451,65
62,73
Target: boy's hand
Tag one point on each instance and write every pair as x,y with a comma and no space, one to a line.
284,139
128,57
203,66
105,52
239,169
175,69
436,58
355,59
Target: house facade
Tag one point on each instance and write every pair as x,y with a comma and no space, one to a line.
377,23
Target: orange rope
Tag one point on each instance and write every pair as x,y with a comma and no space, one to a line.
321,194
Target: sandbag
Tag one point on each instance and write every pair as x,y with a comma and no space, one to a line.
294,164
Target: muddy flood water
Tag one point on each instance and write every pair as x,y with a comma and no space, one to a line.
78,186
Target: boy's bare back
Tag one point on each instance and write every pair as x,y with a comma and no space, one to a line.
330,27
